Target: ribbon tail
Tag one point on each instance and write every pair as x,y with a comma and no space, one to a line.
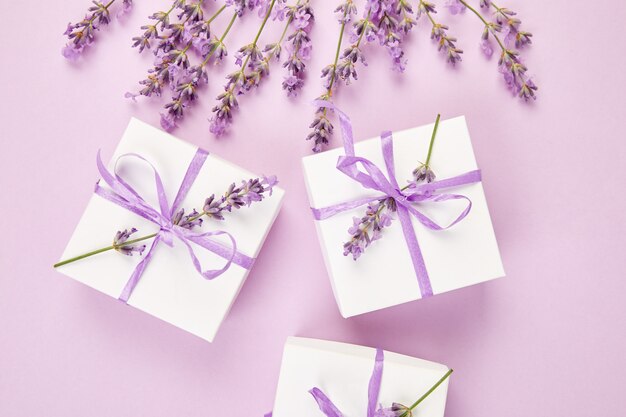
137,273
326,405
416,254
374,385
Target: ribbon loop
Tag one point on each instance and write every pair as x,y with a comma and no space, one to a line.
125,196
373,390
372,177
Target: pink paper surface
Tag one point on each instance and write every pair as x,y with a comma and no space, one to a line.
548,340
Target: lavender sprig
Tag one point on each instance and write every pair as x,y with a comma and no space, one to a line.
151,31
510,24
399,410
322,128
83,34
439,33
299,46
253,67
250,191
509,65
368,229
191,79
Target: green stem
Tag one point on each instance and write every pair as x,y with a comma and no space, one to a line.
432,141
486,24
430,391
230,24
428,15
105,249
256,39
329,90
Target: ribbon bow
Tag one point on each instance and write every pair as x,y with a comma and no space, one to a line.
330,410
373,178
122,194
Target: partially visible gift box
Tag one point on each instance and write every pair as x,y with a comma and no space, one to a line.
395,270
170,287
319,378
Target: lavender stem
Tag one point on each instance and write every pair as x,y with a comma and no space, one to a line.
432,141
105,249
493,32
430,391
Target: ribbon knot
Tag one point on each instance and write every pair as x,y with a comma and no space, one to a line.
406,198
125,196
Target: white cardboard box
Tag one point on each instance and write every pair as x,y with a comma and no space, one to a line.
342,371
170,288
384,275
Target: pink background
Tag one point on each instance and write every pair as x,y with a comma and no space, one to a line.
548,340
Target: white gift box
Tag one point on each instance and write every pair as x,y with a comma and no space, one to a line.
170,287
342,371
384,275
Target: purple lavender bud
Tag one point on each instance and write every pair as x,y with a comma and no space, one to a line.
345,11
292,84
454,6
213,208
322,129
423,173
127,5
82,34
396,410
192,12
369,228
189,221
121,237
486,47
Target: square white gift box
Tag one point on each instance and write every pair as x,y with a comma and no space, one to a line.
385,274
170,287
342,372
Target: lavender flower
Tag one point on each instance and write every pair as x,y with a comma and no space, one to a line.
396,410
510,64
82,34
151,31
248,192
127,249
369,228
236,197
253,68
299,46
322,128
423,173
454,6
188,221
439,33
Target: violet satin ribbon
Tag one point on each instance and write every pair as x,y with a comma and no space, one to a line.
330,410
373,178
122,194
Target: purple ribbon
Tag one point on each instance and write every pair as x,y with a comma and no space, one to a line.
330,410
405,199
122,194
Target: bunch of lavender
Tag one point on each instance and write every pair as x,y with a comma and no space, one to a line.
378,215
399,410
389,21
254,63
175,39
82,34
507,26
236,197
